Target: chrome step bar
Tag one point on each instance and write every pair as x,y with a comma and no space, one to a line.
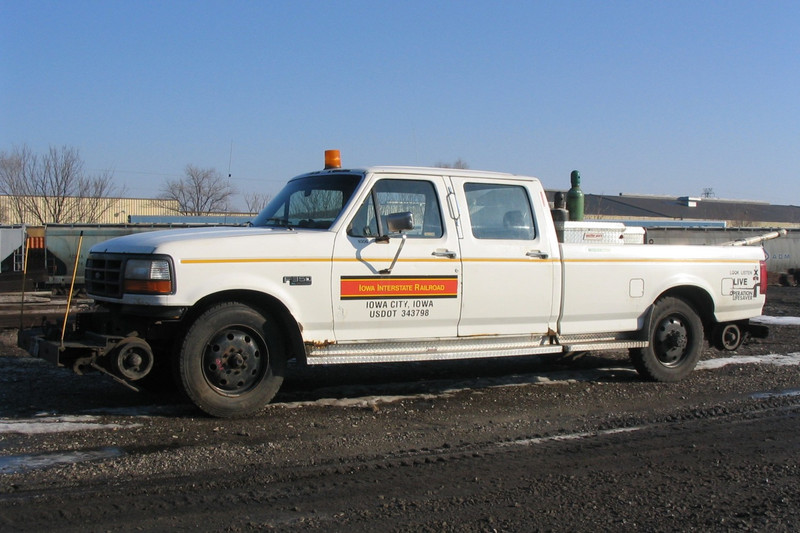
399,350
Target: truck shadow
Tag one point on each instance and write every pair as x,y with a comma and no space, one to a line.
438,377
30,387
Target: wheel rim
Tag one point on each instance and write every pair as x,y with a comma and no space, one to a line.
133,359
671,341
235,360
731,337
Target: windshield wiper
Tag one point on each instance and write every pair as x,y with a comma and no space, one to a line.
275,221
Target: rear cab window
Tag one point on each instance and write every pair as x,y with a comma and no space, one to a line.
499,211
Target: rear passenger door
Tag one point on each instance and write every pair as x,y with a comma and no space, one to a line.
507,264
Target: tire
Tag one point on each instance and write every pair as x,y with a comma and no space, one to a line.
232,360
676,341
727,337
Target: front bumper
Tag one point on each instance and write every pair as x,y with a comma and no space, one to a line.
72,353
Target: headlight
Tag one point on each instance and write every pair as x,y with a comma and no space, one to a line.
148,276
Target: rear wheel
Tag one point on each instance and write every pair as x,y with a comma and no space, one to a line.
727,336
232,360
676,341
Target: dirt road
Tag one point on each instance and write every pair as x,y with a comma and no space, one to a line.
563,444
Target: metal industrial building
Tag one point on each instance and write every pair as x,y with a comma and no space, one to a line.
104,211
647,210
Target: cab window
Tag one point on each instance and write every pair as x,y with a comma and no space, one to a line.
499,211
397,196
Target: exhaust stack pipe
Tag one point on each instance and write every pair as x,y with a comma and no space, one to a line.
758,239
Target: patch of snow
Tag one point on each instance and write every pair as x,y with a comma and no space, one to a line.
571,436
55,424
776,320
22,463
143,411
780,394
791,359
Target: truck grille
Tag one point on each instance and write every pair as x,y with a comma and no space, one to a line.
103,275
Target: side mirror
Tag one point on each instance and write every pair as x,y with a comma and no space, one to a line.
396,223
400,222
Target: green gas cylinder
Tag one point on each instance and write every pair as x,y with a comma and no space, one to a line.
575,197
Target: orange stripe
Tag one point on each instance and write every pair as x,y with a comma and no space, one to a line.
439,260
310,260
663,260
398,287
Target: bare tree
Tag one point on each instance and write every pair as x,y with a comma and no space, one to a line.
15,169
53,188
255,202
459,163
201,191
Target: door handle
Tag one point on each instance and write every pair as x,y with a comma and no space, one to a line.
538,254
444,253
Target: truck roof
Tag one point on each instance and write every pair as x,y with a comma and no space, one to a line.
420,171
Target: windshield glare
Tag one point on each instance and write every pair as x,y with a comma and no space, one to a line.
310,202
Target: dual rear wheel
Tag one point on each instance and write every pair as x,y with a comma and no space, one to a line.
676,342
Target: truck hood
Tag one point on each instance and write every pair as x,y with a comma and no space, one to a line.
166,241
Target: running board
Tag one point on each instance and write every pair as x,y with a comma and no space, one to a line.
459,348
430,349
604,345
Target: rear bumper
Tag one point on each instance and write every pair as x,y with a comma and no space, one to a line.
757,331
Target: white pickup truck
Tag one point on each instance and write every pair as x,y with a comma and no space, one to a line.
392,264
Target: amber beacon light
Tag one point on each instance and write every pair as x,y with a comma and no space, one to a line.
333,159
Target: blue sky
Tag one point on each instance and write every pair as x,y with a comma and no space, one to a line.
641,97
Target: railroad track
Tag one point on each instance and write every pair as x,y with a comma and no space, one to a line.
37,306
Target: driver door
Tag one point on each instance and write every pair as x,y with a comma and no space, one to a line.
397,285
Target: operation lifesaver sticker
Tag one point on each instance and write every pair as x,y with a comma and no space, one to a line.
743,285
368,287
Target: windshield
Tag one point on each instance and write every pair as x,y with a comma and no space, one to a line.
310,202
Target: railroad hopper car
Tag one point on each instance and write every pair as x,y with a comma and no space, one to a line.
52,250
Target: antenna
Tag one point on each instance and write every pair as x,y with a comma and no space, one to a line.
230,158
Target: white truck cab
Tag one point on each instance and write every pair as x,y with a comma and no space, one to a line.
396,264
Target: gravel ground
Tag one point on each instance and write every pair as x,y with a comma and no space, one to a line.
569,443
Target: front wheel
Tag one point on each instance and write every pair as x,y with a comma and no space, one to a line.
232,360
675,342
